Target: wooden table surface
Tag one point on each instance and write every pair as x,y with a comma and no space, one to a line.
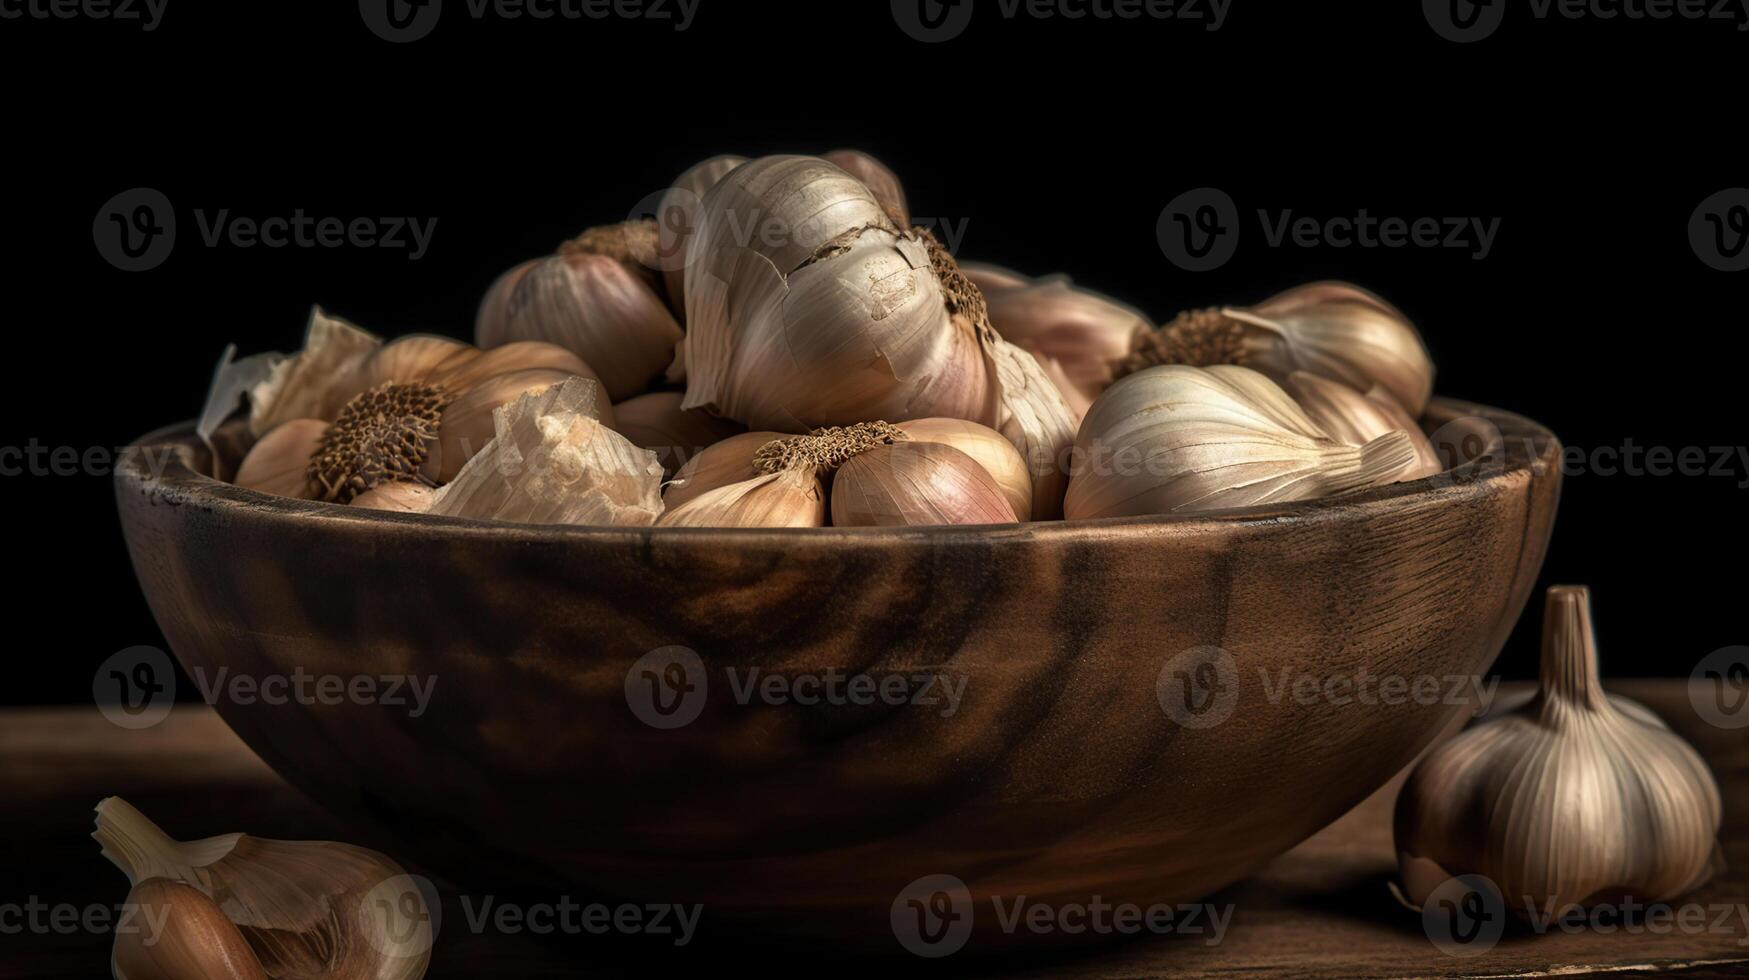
1321,910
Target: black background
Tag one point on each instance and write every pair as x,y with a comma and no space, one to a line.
1057,142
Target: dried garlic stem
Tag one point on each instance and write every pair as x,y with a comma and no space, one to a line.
824,450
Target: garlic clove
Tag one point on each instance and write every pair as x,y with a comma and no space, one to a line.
419,357
318,380
552,461
1345,333
916,484
523,355
467,423
1176,438
878,178
599,307
1356,419
306,908
788,498
718,465
1571,798
678,214
988,448
656,422
279,461
404,498
494,313
1081,330
174,932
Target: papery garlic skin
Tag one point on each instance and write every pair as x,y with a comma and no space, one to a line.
1356,419
400,497
878,178
552,461
655,421
790,498
277,462
315,382
718,465
179,933
467,423
306,908
1574,798
597,307
676,217
1079,329
915,484
1176,439
988,448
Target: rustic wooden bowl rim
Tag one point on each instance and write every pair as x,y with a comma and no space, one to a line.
1528,446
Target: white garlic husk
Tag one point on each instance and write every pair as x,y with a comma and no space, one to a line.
788,498
878,178
1356,419
315,382
553,461
1080,330
1575,798
1174,438
306,908
599,298
676,216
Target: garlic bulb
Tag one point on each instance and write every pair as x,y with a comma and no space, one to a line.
788,498
1356,419
807,307
278,461
657,422
1576,797
880,181
177,933
988,449
600,298
552,461
676,217
1331,329
1080,330
717,465
1176,438
1077,400
306,908
404,498
917,484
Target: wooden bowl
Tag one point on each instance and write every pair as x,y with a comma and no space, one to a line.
1067,773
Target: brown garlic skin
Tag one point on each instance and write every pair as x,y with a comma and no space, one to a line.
720,464
177,933
277,462
1573,798
916,484
1082,332
988,449
656,422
